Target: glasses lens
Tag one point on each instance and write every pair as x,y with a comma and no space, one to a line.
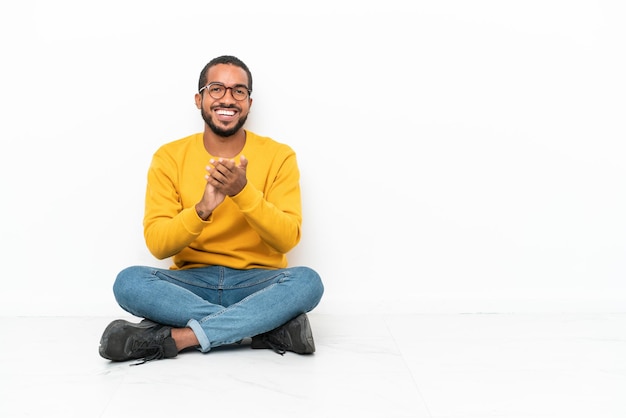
239,92
216,91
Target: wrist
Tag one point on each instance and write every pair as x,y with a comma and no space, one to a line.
203,213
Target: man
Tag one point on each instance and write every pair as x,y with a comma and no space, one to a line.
225,205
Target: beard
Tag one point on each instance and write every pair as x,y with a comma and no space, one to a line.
223,132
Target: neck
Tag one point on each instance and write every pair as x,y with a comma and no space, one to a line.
224,146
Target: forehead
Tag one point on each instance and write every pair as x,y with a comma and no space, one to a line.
227,74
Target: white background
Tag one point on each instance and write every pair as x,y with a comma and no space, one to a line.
456,156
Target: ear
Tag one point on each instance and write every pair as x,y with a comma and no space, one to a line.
198,99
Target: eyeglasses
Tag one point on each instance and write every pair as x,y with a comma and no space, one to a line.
218,90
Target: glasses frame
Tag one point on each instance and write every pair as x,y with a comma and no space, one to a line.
225,89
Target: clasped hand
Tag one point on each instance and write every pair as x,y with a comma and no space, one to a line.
223,178
226,176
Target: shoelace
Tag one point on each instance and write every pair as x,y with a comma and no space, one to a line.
277,346
158,354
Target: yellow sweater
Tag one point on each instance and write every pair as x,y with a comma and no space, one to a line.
255,228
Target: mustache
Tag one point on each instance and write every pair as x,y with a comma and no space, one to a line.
226,106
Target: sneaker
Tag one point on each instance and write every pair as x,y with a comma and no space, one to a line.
295,335
123,340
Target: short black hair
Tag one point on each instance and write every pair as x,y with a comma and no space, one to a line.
224,59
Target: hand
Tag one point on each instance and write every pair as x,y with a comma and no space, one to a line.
211,198
227,177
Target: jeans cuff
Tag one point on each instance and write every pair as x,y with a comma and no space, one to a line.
205,344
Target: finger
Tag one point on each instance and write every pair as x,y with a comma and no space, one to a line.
212,172
216,177
226,167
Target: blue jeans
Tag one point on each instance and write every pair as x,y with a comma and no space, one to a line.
221,305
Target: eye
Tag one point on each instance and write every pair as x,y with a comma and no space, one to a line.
216,88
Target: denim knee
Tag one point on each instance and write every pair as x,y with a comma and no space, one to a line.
311,284
125,283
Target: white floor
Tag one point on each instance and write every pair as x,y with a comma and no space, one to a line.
437,366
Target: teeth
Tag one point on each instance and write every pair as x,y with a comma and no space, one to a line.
225,112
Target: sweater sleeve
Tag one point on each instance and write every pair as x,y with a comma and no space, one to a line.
168,227
277,215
